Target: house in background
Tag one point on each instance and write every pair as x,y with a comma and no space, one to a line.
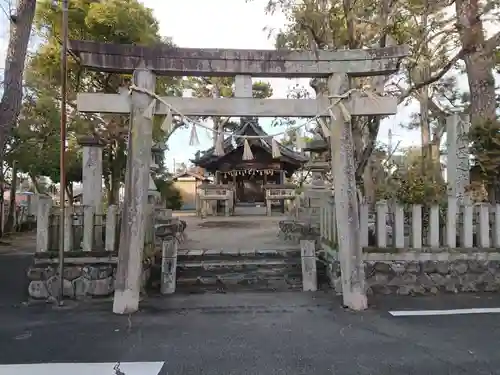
187,182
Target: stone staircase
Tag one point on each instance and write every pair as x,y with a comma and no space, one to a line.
200,271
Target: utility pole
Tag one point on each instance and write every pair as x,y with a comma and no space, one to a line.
62,152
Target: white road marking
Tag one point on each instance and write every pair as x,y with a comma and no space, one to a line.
129,368
491,310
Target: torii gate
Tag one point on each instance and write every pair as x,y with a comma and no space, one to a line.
147,62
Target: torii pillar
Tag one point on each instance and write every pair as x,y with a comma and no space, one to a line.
132,231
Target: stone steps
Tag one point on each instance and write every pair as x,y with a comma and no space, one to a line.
223,271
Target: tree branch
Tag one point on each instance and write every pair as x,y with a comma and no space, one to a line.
433,78
492,43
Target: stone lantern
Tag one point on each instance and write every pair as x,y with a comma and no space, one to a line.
318,166
157,151
318,190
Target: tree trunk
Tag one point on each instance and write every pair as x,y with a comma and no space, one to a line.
20,30
69,193
36,185
9,223
479,63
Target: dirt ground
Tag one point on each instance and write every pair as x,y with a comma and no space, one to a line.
233,233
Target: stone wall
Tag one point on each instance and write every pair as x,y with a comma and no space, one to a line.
409,275
86,275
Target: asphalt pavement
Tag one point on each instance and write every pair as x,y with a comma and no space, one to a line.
253,333
244,333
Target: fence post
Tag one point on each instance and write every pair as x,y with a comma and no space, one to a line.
381,223
416,226
68,229
168,266
496,226
434,226
363,223
484,225
309,275
111,228
399,226
42,223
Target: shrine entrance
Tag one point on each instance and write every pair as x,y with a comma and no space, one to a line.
250,255
249,189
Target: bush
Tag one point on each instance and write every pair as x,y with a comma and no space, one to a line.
170,195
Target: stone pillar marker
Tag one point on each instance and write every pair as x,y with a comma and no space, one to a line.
168,266
92,190
457,169
128,275
308,257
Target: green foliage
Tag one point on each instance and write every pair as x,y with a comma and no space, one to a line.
207,87
414,182
113,21
485,149
169,193
35,144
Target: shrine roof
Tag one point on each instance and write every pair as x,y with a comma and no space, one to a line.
188,173
250,128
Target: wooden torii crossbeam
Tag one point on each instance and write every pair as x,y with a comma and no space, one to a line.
145,62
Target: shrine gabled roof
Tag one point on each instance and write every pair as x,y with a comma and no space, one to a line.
249,128
188,173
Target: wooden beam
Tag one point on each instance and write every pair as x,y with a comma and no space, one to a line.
358,105
171,61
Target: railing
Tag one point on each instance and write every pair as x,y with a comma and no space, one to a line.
327,224
416,226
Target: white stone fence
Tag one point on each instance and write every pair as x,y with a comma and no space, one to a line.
84,230
416,226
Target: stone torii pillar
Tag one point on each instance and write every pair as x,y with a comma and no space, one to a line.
346,200
132,231
92,190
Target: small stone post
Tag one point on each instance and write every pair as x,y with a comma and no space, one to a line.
44,205
128,276
168,266
309,275
92,189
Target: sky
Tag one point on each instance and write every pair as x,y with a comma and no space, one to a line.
206,24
